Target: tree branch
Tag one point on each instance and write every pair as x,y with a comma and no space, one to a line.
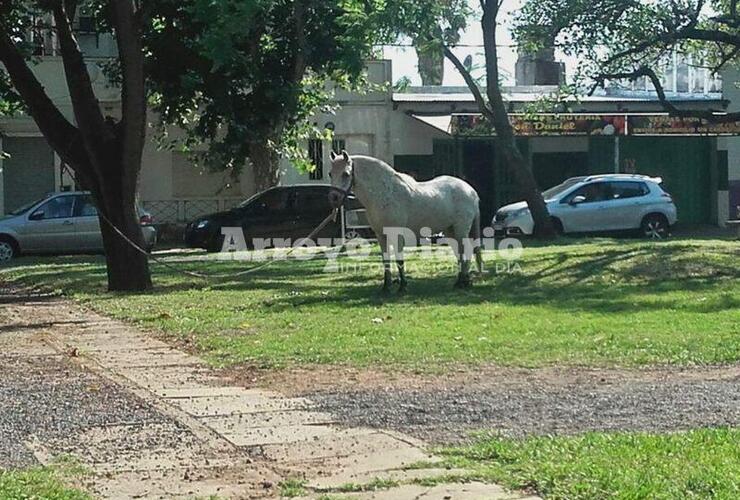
63,137
469,80
84,102
299,68
127,22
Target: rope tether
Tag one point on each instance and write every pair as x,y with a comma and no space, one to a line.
332,216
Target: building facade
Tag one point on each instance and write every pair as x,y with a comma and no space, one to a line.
418,132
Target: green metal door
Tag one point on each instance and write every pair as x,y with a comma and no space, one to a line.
505,186
601,155
420,167
447,157
550,169
684,163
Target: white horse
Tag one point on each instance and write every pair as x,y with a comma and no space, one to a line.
395,200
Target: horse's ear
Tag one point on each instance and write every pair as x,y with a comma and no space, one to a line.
333,156
345,155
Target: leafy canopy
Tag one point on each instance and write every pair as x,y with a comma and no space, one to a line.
632,38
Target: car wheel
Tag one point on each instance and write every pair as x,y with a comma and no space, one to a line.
655,227
8,249
216,244
558,226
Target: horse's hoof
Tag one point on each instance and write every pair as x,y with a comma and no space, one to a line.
402,288
463,283
386,290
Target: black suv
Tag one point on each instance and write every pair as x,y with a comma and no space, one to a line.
289,212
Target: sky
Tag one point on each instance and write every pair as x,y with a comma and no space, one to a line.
404,58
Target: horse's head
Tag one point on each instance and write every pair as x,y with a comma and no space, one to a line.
342,177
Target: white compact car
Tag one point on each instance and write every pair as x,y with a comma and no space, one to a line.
59,223
598,203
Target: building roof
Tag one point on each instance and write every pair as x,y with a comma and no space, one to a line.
535,93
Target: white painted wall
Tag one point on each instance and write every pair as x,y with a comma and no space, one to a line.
370,126
731,92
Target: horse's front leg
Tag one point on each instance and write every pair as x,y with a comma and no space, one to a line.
401,275
463,279
387,278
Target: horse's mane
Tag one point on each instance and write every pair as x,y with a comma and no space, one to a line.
381,165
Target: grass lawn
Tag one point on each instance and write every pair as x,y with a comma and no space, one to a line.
701,463
38,483
596,302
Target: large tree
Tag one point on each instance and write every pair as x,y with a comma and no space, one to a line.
104,152
494,109
634,39
244,77
453,18
240,76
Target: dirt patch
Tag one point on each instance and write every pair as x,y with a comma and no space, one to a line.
446,408
47,398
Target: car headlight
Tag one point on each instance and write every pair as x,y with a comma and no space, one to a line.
202,224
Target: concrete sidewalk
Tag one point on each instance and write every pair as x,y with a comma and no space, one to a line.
224,440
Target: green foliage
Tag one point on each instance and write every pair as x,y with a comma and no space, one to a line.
614,36
236,72
292,487
702,463
46,483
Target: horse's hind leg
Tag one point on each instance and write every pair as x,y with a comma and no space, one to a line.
401,266
463,258
387,278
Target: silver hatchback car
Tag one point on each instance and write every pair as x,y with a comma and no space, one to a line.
59,223
598,203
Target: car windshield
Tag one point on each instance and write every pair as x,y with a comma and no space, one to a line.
561,188
249,200
25,208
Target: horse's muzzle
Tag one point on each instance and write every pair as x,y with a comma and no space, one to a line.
336,197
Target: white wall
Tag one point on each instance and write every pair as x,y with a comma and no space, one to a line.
731,92
370,126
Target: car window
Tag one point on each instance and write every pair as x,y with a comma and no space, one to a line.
313,200
275,200
25,208
85,207
627,189
596,191
561,188
56,208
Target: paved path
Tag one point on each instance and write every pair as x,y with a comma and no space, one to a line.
204,436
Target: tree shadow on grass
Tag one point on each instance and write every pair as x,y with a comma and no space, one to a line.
617,278
613,281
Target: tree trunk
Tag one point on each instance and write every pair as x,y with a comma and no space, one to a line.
127,267
498,115
431,65
519,168
266,165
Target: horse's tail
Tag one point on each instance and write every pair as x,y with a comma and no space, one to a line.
475,233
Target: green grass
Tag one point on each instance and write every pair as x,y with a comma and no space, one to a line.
38,483
292,487
373,485
697,464
600,302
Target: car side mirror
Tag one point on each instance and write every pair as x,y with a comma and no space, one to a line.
577,199
36,215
